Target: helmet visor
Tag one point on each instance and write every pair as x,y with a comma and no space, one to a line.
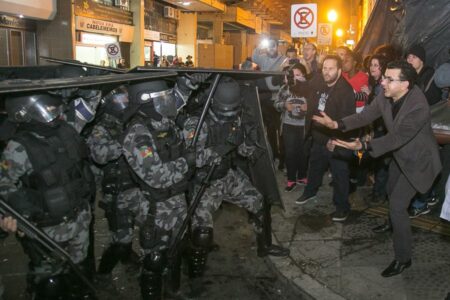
44,110
165,103
119,102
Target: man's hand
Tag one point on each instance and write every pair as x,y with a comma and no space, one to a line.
325,120
353,145
289,106
8,224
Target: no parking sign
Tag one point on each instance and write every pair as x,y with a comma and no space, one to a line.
304,20
113,51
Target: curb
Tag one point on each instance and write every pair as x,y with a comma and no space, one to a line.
304,283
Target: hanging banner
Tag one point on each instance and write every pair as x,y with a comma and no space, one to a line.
304,20
325,34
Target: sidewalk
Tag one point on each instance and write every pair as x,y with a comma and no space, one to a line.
344,260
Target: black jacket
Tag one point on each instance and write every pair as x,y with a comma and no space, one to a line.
340,103
431,91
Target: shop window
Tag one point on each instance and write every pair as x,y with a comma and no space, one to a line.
4,48
16,48
30,48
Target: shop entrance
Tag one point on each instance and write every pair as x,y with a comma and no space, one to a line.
18,47
91,49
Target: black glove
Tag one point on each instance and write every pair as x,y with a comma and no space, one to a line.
190,156
198,78
251,134
185,85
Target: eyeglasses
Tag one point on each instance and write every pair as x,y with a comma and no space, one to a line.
389,79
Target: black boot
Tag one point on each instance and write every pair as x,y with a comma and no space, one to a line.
151,275
266,247
151,285
112,255
197,261
201,240
263,225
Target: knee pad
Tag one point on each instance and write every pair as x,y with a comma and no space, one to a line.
155,261
203,237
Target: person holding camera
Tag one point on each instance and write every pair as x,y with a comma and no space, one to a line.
291,102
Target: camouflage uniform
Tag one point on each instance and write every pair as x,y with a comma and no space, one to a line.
234,187
125,204
165,215
49,163
72,235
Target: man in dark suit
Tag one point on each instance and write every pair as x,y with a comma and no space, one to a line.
416,161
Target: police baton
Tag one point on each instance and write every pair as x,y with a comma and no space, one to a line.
193,205
205,110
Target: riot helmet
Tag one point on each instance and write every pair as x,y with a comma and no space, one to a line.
153,96
41,108
116,101
226,102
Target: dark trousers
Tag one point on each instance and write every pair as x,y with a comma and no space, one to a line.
296,164
400,192
381,173
319,161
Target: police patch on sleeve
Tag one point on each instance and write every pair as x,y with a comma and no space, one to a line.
4,165
146,151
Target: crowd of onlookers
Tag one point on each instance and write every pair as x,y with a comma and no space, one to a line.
339,84
172,61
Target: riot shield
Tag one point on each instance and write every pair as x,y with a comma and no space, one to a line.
262,171
28,85
90,67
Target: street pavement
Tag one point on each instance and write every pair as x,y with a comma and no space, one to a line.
344,260
328,260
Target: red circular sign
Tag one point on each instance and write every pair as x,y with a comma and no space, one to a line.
303,17
112,49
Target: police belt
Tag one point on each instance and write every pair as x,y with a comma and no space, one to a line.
220,172
164,194
45,220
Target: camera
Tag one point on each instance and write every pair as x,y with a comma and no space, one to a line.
290,77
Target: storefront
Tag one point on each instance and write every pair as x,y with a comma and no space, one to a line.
98,25
167,46
18,41
150,38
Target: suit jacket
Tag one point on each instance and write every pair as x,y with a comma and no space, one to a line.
409,136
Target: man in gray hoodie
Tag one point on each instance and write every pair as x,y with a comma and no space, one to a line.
268,59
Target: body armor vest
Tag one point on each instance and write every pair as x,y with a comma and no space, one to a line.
117,176
224,140
61,183
169,146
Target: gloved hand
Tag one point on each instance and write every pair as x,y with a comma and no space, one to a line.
251,134
190,156
83,111
185,85
198,78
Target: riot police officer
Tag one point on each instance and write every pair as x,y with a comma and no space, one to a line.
45,176
222,139
155,151
122,199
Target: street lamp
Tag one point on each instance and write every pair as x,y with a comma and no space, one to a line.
332,15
